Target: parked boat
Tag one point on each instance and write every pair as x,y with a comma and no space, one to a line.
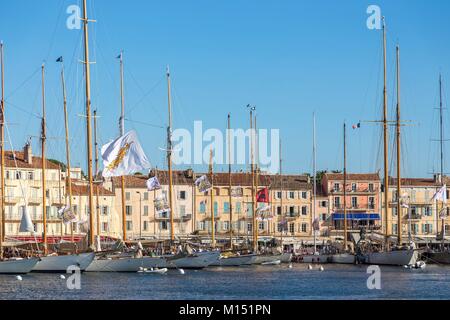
316,258
196,260
125,264
60,263
343,258
440,257
235,260
264,258
400,257
17,265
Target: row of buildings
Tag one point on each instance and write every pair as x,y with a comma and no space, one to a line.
291,203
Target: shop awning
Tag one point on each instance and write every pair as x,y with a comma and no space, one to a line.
356,216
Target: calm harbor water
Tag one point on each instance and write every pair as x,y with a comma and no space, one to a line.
255,282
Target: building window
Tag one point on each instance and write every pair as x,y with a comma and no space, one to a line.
337,202
323,204
105,227
129,225
304,227
105,210
354,187
279,210
145,210
371,187
304,210
278,194
304,195
203,207
47,193
336,187
182,195
145,225
18,175
413,211
324,216
216,208
249,227
371,203
354,202
394,228
291,194
238,207
291,227
428,211
201,225
128,210
145,195
226,207
30,175
127,196
427,228
291,210
226,225
394,211
261,225
8,175
249,209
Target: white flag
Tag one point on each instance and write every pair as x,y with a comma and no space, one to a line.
441,194
153,184
124,156
26,224
203,184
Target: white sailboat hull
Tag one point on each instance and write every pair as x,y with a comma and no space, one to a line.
393,258
197,260
21,266
316,258
61,263
283,257
343,258
125,264
243,260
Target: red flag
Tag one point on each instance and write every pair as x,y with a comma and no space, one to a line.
262,195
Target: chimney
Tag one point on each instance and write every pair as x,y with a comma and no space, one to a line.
27,154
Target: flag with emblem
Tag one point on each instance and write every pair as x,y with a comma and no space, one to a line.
124,156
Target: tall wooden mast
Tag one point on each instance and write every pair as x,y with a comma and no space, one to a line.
441,127
2,146
43,139
88,123
66,127
169,155
314,182
397,124
211,177
97,207
256,230
281,198
345,187
229,182
122,132
252,168
385,136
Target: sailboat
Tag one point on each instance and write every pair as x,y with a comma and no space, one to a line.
267,257
12,265
317,256
54,262
344,257
400,255
441,254
231,258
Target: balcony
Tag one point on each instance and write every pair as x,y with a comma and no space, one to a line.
354,191
35,201
352,207
415,216
292,215
12,200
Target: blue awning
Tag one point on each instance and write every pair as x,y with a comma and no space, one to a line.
356,216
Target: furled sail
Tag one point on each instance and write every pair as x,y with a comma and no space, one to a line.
26,224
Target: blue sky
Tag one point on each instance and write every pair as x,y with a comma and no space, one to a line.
289,58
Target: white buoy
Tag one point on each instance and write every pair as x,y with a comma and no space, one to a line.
141,269
19,278
290,266
62,277
309,267
181,271
321,268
